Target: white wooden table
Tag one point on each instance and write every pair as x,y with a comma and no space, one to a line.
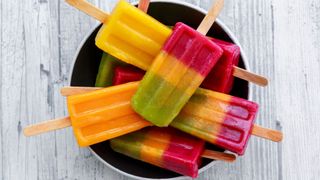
38,39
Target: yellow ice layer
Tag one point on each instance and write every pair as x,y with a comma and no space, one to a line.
152,149
104,114
132,36
204,114
182,77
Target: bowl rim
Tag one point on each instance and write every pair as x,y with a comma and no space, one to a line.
189,5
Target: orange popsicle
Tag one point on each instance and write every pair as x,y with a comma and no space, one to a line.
103,114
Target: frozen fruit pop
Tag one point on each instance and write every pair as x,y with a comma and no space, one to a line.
218,118
124,74
127,33
103,115
97,116
221,76
163,147
178,70
176,73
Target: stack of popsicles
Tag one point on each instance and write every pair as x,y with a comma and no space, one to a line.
177,63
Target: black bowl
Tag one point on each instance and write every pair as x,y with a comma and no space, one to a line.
86,65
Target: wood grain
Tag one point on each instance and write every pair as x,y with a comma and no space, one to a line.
221,156
47,126
38,39
210,17
89,9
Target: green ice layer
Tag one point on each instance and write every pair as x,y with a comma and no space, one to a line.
106,68
132,149
164,105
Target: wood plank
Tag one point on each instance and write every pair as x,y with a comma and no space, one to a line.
1,61
12,65
297,40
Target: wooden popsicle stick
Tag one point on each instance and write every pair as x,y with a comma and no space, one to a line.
211,16
266,133
47,126
249,76
89,9
144,5
74,90
68,91
219,155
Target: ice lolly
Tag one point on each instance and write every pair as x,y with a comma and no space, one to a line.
103,114
219,79
218,118
124,74
163,147
131,35
166,148
221,76
176,73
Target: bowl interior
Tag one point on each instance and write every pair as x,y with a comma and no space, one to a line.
86,68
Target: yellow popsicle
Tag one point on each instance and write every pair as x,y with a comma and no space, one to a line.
132,36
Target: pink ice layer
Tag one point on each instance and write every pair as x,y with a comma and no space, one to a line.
125,74
183,154
192,48
237,125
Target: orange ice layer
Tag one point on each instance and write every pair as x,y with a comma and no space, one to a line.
104,114
153,148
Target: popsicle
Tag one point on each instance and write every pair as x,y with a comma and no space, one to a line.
127,33
218,118
136,38
176,73
106,70
164,147
97,116
178,70
219,79
124,74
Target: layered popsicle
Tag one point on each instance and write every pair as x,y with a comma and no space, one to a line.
220,119
163,147
183,63
221,76
219,79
